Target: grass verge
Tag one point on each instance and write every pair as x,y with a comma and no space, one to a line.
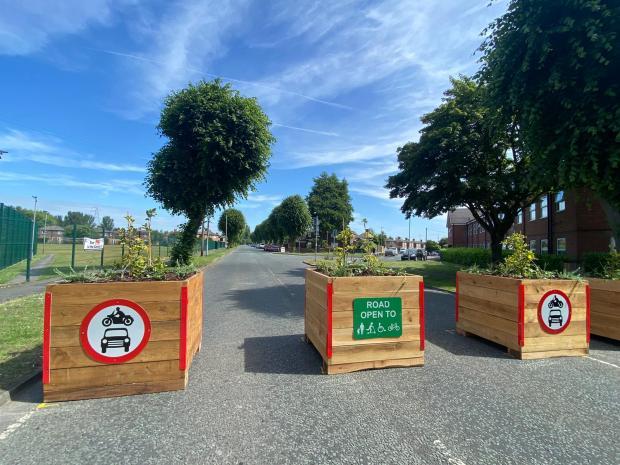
21,333
213,256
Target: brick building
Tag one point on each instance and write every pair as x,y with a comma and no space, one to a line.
565,223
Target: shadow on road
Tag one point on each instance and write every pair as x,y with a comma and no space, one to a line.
275,301
603,343
289,355
440,330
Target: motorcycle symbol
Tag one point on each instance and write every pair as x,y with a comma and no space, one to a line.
555,303
117,317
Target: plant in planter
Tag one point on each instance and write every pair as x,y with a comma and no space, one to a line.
604,278
533,312
129,330
361,314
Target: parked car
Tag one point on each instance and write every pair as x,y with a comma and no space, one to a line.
408,254
391,252
260,246
272,248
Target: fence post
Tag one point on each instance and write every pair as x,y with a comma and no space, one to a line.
73,246
30,246
159,245
103,245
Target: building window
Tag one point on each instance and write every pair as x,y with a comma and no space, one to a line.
520,217
533,245
560,203
561,246
544,246
533,211
543,206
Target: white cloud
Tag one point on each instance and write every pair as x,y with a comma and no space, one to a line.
49,150
28,26
312,131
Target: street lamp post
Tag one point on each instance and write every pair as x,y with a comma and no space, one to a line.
34,221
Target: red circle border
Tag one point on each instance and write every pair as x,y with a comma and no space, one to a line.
540,319
123,358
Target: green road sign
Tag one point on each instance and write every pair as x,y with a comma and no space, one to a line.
375,317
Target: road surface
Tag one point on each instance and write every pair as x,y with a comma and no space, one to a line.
256,396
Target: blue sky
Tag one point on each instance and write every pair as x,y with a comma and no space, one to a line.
344,82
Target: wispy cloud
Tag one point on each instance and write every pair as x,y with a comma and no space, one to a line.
311,131
49,150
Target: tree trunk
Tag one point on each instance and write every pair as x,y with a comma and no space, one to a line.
183,250
613,218
496,250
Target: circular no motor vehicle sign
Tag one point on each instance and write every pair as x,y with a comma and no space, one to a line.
554,312
115,331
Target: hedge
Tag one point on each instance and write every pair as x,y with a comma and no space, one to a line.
551,262
467,256
596,263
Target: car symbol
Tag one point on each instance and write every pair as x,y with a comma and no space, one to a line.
555,316
115,337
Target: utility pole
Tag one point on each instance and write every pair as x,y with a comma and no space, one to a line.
409,238
34,222
208,219
202,239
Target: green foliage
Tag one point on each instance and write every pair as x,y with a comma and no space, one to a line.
466,256
107,223
137,262
432,246
602,265
236,225
461,159
329,199
79,218
443,242
218,147
550,262
521,262
82,230
552,68
42,216
293,217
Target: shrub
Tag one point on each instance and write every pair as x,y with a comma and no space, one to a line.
551,262
466,256
603,265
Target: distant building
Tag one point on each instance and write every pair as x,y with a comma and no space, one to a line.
52,234
456,223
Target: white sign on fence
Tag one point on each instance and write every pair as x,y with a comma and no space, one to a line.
93,244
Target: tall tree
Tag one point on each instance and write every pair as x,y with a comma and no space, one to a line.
552,67
107,223
294,218
79,218
329,199
461,160
232,223
218,147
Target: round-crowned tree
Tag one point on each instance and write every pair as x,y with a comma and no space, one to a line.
218,147
294,218
232,223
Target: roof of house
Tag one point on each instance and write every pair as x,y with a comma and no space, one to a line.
459,216
53,228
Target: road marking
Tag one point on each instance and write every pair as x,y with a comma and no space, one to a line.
5,434
602,361
443,450
280,281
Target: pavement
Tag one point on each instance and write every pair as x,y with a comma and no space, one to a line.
256,395
19,287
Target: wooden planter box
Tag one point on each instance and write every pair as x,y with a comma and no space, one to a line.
329,316
76,333
506,311
605,307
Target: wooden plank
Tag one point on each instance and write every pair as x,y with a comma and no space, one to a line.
90,294
540,286
343,301
554,342
501,283
374,352
507,312
507,339
344,337
553,353
575,328
73,357
497,296
69,336
69,315
488,320
577,299
366,285
531,314
108,375
608,285
345,319
376,364
114,391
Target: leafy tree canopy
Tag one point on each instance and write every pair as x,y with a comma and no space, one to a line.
232,222
79,218
107,223
461,161
432,246
218,147
552,66
329,199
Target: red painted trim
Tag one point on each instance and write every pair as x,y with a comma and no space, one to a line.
422,333
47,327
521,316
540,319
183,331
330,299
588,313
456,299
123,358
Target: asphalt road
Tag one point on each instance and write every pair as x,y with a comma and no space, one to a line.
256,396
